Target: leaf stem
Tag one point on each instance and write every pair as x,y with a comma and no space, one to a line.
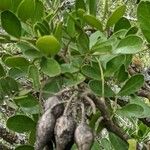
102,77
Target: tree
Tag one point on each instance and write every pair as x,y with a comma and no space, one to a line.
68,61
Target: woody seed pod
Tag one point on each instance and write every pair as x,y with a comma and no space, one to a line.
64,132
45,129
84,137
51,103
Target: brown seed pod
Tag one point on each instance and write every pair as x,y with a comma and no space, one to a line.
45,130
55,103
84,137
64,132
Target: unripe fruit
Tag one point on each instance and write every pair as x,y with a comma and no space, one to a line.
84,137
54,104
48,45
45,130
64,132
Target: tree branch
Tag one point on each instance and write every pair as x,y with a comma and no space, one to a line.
108,123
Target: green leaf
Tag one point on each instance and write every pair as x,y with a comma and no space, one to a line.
92,6
50,67
24,147
117,142
4,87
28,104
93,21
129,45
53,86
26,10
140,101
130,110
16,61
115,16
5,4
106,144
123,23
16,73
91,72
68,68
132,85
39,11
2,71
97,37
20,123
11,23
143,11
15,4
80,4
73,80
96,87
122,74
71,26
12,84
83,43
58,31
103,47
132,30
34,75
114,64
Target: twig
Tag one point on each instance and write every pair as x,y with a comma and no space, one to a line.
91,103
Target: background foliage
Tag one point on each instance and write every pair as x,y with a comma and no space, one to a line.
100,47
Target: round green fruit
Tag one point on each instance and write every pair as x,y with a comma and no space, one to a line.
48,45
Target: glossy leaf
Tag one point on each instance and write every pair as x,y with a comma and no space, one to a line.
114,64
26,10
132,30
132,85
39,11
73,80
117,142
68,68
129,45
123,23
96,87
58,31
11,23
4,87
92,7
143,11
122,74
140,101
93,21
116,15
20,123
27,103
80,4
16,61
130,110
91,72
15,4
103,47
50,67
83,43
71,26
12,84
34,75
5,4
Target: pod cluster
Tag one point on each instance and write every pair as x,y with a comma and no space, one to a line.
58,130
